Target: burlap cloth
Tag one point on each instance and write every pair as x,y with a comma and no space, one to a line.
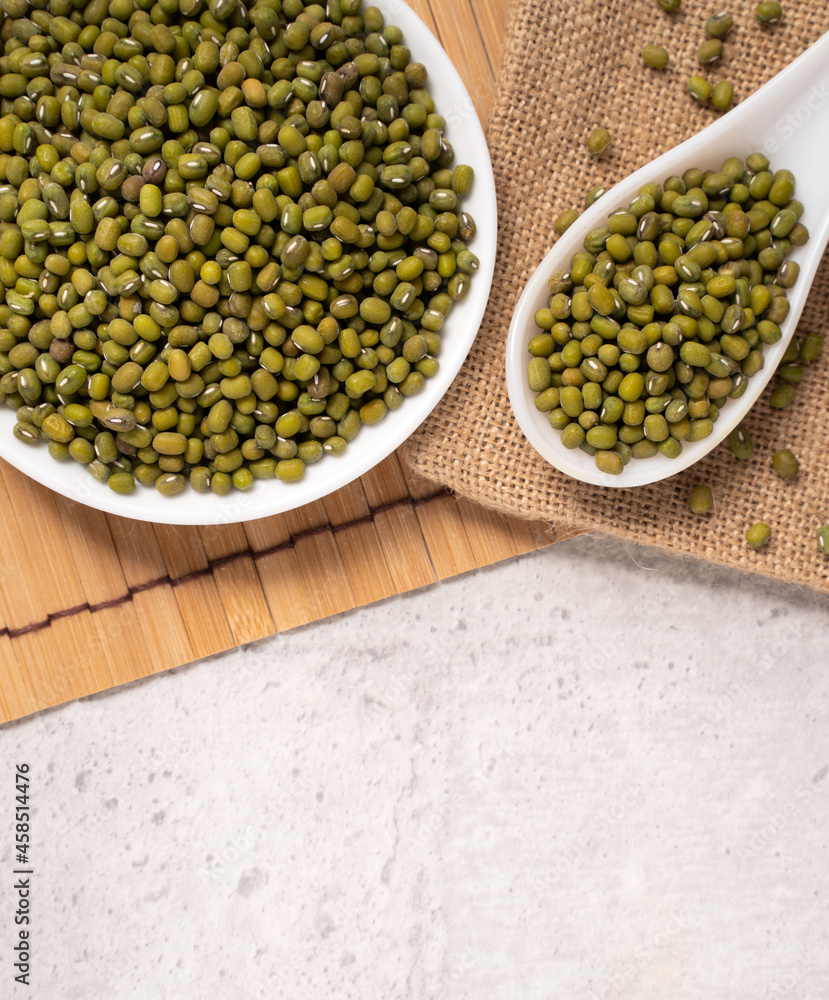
570,66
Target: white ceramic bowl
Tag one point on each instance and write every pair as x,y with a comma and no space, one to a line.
372,444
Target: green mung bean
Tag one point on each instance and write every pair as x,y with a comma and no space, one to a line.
700,499
768,12
655,56
225,234
722,96
758,535
565,220
699,88
598,141
710,51
785,463
633,352
740,443
718,25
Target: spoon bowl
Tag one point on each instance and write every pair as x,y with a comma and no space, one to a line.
787,119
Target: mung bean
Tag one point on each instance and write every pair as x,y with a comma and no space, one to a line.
190,218
655,56
785,463
758,535
632,352
768,12
718,25
598,141
700,499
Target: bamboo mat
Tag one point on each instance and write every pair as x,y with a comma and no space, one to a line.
114,600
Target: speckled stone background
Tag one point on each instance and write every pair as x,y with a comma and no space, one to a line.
591,772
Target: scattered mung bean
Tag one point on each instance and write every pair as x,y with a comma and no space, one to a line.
565,220
710,51
740,443
699,88
768,12
598,141
785,464
655,56
758,535
722,96
700,499
718,25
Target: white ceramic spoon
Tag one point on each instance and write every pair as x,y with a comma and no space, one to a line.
788,120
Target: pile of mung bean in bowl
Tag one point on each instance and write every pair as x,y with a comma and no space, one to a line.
230,236
658,309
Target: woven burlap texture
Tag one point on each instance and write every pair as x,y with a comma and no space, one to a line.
569,67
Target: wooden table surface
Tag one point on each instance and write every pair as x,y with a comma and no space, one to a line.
110,600
472,33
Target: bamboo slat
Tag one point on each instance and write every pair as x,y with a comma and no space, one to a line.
21,601
460,35
491,19
385,483
305,519
182,550
17,698
325,575
531,535
423,9
62,661
285,589
221,541
139,552
165,634
120,643
364,563
8,699
244,600
204,616
442,527
267,533
404,547
96,559
114,600
488,534
347,505
36,512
